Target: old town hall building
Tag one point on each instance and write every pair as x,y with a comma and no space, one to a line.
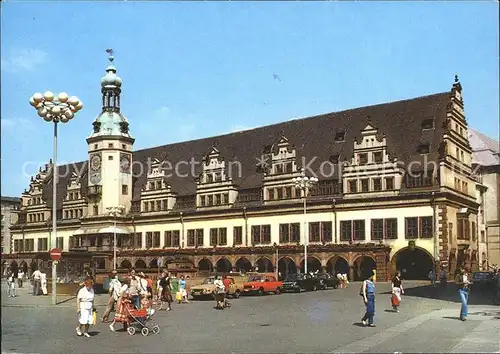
395,190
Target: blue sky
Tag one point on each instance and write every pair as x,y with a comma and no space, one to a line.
198,69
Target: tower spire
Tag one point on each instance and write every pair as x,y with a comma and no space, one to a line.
111,86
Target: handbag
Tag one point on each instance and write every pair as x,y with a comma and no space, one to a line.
94,317
394,300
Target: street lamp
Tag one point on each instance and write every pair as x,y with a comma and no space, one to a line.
51,109
305,183
115,211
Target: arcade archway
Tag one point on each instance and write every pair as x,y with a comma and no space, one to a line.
286,266
140,264
414,264
125,264
313,265
243,265
205,265
264,265
363,267
153,263
337,265
223,265
23,267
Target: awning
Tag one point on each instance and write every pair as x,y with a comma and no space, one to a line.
104,230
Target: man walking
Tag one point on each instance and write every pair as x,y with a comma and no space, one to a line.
114,293
37,278
463,283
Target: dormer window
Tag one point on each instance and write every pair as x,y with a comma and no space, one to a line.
423,149
278,169
210,178
377,157
428,123
363,159
340,137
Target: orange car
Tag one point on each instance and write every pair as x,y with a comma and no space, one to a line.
262,283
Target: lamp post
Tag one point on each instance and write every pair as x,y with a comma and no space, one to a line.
51,109
305,183
275,246
115,211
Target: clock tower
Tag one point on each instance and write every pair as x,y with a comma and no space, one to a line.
110,151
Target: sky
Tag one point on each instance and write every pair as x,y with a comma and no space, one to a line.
200,69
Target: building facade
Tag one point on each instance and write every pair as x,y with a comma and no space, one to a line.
486,163
395,191
10,208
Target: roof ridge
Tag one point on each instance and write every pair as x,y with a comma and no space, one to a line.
297,119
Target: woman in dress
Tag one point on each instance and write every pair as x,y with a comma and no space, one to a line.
84,308
124,297
368,293
397,291
220,292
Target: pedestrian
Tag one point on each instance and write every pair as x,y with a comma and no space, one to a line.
114,293
166,294
149,288
20,278
11,285
368,293
219,293
340,277
182,289
442,277
37,276
121,314
85,308
43,283
463,283
134,288
397,291
432,277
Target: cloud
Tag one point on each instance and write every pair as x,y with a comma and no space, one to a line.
17,124
21,60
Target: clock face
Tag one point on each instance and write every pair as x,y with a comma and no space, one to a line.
95,178
95,162
125,164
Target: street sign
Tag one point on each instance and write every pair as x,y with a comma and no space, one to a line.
55,254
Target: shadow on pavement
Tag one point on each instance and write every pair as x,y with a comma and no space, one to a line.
67,300
448,292
358,324
451,318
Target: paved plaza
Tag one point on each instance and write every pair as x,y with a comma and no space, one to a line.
320,322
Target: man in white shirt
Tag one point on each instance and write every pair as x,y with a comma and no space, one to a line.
114,293
37,278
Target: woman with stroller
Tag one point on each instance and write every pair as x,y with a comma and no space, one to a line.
121,312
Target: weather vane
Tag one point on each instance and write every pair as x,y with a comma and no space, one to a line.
110,52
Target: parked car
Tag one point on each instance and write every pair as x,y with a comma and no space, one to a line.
261,284
327,281
300,282
207,289
483,281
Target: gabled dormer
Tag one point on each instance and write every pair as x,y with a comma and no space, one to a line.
157,195
455,150
36,206
215,186
371,169
281,161
74,203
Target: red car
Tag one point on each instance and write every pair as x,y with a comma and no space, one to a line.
262,283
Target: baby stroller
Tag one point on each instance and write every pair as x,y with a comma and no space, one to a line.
138,319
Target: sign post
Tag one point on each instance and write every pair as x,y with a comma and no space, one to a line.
55,255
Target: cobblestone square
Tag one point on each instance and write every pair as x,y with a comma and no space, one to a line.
311,322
